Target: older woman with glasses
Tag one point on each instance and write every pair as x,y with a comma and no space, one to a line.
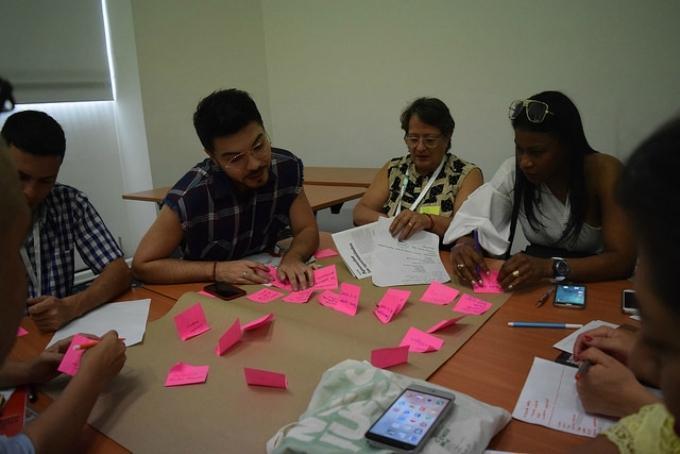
423,189
560,191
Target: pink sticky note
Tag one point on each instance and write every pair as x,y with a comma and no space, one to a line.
443,324
259,377
326,278
299,297
468,304
489,283
21,331
70,363
264,296
388,357
346,302
186,374
276,282
191,322
265,320
392,302
229,338
325,253
438,293
421,342
204,293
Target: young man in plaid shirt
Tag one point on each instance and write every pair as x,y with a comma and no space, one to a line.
237,202
63,220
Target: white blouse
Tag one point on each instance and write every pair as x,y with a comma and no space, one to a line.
489,209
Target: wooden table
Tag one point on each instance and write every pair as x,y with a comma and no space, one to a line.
340,176
319,196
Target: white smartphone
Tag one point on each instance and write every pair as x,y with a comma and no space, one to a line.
411,419
571,296
629,304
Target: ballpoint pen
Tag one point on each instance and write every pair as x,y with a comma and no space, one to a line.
541,301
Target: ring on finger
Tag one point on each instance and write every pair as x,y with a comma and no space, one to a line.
244,274
515,273
460,266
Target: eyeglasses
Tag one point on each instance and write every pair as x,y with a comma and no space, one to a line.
429,142
536,111
259,151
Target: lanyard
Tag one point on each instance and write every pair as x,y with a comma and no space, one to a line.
34,274
423,193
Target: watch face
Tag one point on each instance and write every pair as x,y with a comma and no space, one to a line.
561,268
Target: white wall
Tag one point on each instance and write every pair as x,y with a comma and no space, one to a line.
341,72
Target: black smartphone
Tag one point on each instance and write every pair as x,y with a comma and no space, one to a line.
224,291
571,296
629,304
410,420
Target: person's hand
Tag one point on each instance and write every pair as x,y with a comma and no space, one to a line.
521,269
407,223
467,261
43,367
617,343
609,388
50,313
103,361
294,271
242,272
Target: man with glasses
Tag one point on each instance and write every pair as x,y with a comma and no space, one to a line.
236,203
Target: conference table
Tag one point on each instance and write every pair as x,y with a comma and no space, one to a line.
492,366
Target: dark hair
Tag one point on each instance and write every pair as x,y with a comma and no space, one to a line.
35,132
650,194
223,113
431,111
564,125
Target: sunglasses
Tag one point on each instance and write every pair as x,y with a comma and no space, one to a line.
536,111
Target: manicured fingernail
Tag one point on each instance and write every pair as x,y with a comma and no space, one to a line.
588,338
577,376
510,287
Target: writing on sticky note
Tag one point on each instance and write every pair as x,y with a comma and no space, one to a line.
325,253
489,283
264,296
276,282
443,324
229,338
299,297
388,357
191,322
468,304
262,321
421,342
21,331
186,374
346,302
392,302
259,377
438,293
70,363
326,277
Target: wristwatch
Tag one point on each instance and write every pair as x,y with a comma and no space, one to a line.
560,269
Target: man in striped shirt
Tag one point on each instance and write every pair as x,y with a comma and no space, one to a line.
63,221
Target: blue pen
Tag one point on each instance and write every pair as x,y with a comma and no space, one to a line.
545,325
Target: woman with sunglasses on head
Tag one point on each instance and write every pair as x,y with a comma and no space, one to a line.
561,193
423,189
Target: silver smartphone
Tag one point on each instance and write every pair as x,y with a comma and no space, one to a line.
629,304
411,419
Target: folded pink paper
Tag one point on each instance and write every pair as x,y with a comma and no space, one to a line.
388,357
262,321
259,377
325,253
186,374
326,278
191,322
392,302
346,302
70,363
299,297
489,283
229,338
264,296
421,342
468,304
438,293
21,331
443,324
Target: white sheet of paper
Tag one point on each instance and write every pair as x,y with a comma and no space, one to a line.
567,344
127,318
6,393
549,398
410,262
356,247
